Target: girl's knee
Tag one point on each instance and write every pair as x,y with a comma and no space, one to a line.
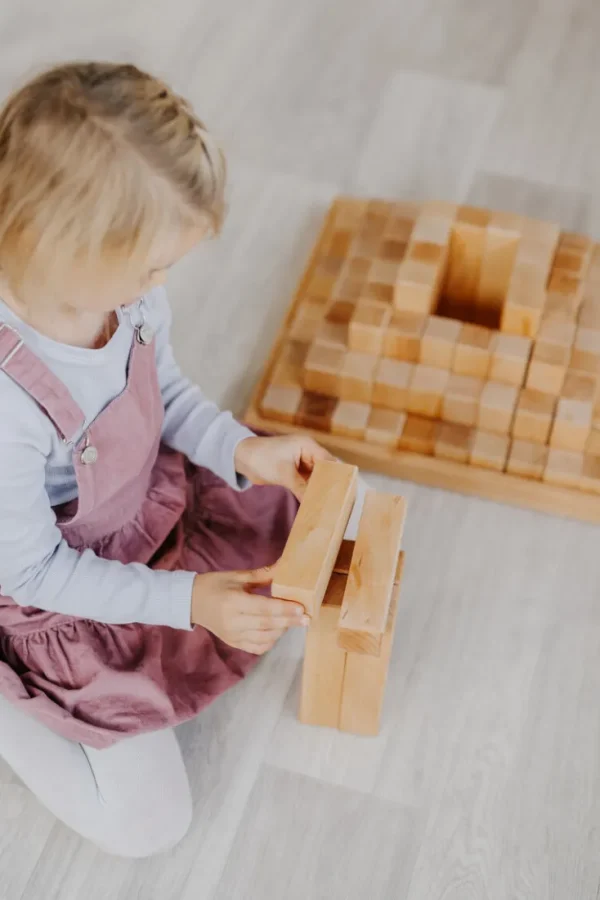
139,837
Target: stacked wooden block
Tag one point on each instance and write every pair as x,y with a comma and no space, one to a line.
350,590
455,332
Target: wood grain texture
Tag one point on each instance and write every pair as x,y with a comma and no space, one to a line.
366,604
324,662
302,574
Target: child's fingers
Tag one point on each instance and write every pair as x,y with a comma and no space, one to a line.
255,605
264,623
255,577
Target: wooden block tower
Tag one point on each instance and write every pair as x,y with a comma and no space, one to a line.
351,592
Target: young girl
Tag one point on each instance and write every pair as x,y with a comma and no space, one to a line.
131,552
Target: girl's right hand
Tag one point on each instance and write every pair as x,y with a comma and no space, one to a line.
224,603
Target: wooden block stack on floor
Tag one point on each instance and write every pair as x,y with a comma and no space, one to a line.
351,592
450,344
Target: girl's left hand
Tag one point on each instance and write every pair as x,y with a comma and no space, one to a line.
286,461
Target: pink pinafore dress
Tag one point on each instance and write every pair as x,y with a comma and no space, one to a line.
138,502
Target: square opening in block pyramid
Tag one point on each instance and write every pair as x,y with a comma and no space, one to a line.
421,327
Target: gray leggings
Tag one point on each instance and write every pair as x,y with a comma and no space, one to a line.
132,799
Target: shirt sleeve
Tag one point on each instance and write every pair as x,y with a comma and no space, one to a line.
194,425
38,568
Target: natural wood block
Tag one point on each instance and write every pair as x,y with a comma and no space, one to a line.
281,402
460,402
497,407
564,467
367,325
489,450
580,386
439,341
572,424
426,390
453,442
510,356
561,334
473,351
527,459
304,327
321,285
559,308
385,427
590,474
418,435
366,603
586,351
589,315
393,250
426,252
592,445
548,367
573,255
467,247
365,679
350,419
322,369
288,370
357,376
342,564
565,283
333,334
402,337
431,229
533,416
303,571
501,241
417,288
392,380
315,411
339,312
524,304
324,662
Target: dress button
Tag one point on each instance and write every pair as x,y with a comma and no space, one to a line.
89,456
145,334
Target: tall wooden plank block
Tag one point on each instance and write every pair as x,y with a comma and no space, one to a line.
324,662
467,247
303,571
366,603
366,676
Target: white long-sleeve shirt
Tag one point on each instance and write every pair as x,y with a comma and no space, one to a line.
37,567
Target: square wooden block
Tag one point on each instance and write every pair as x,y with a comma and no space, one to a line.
548,367
527,459
402,337
350,419
385,427
572,424
392,380
467,248
510,357
564,467
501,241
339,312
533,417
473,351
497,407
439,341
460,403
590,475
586,351
432,228
524,303
453,442
489,450
315,411
426,390
553,331
367,326
357,376
289,367
281,402
589,314
559,308
333,334
419,435
580,386
417,287
562,282
305,325
426,252
322,369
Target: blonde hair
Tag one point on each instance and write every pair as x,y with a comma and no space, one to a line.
100,159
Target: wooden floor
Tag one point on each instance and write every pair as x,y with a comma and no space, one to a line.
485,782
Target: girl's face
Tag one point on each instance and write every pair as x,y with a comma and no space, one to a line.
102,289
